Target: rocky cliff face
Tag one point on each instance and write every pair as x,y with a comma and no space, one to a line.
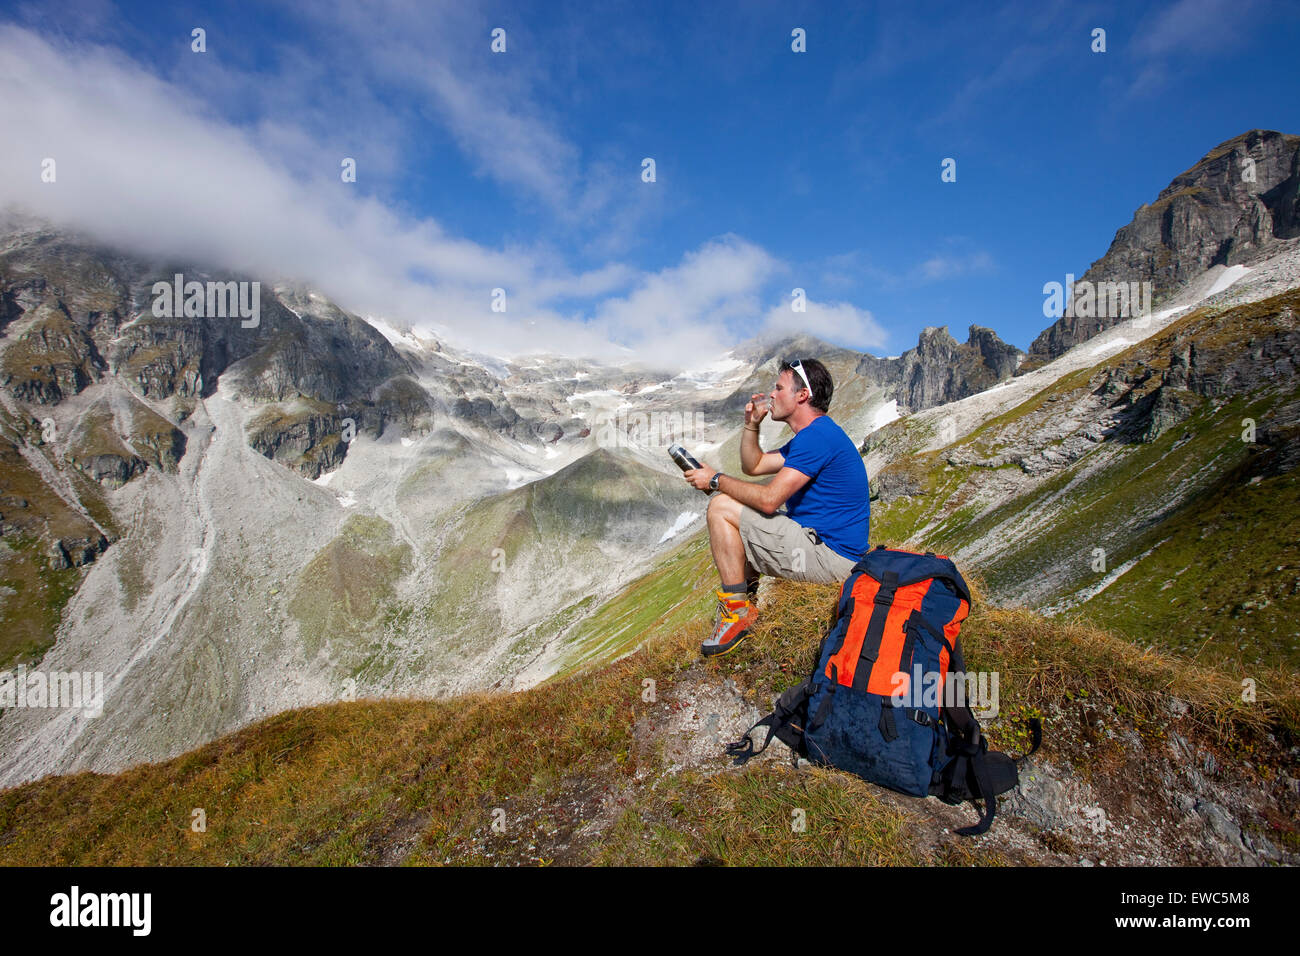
96,392
76,314
941,370
1237,203
51,359
1216,357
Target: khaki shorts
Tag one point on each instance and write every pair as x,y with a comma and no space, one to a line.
780,546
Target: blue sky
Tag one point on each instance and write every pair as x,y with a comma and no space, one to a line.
521,170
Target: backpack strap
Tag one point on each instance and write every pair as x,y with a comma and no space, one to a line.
882,602
785,722
743,749
824,709
887,728
975,770
979,771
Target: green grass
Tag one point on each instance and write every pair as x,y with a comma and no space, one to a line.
665,599
1225,539
33,599
31,606
418,781
1223,584
343,591
768,816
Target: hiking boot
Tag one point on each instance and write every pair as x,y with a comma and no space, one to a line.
736,615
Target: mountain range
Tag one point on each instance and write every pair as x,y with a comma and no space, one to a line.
233,521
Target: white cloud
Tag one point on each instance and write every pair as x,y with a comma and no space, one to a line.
1171,39
693,303
142,163
940,267
1194,26
838,322
847,269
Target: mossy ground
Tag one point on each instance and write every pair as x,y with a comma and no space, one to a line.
32,599
1223,584
33,594
344,590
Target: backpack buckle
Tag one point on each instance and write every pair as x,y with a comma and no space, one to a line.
921,717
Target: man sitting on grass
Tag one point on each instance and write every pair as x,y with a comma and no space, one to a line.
820,478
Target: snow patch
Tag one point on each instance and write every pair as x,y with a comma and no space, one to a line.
586,396
394,335
1229,276
885,414
518,477
720,370
684,521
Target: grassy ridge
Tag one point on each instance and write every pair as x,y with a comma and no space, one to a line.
1213,538
1223,584
418,781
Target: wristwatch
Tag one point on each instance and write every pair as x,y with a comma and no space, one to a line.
713,482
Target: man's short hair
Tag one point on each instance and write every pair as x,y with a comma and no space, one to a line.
819,381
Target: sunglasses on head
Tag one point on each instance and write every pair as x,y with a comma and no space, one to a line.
797,365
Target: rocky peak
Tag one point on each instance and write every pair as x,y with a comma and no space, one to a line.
1233,206
940,369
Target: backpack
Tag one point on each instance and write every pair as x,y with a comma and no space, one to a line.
882,700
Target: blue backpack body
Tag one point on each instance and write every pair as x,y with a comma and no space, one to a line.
885,700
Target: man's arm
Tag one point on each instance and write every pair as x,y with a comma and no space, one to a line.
765,498
753,460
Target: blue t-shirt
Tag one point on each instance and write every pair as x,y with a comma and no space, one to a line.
837,501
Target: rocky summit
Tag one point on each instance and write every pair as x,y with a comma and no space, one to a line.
1236,206
941,370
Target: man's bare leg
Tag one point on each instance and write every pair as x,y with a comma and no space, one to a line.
724,540
737,611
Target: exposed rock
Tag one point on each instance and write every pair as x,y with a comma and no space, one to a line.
111,470
161,357
498,417
75,552
549,432
1282,438
1210,215
1220,823
1231,353
312,444
72,299
1169,406
113,447
51,359
940,369
895,483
